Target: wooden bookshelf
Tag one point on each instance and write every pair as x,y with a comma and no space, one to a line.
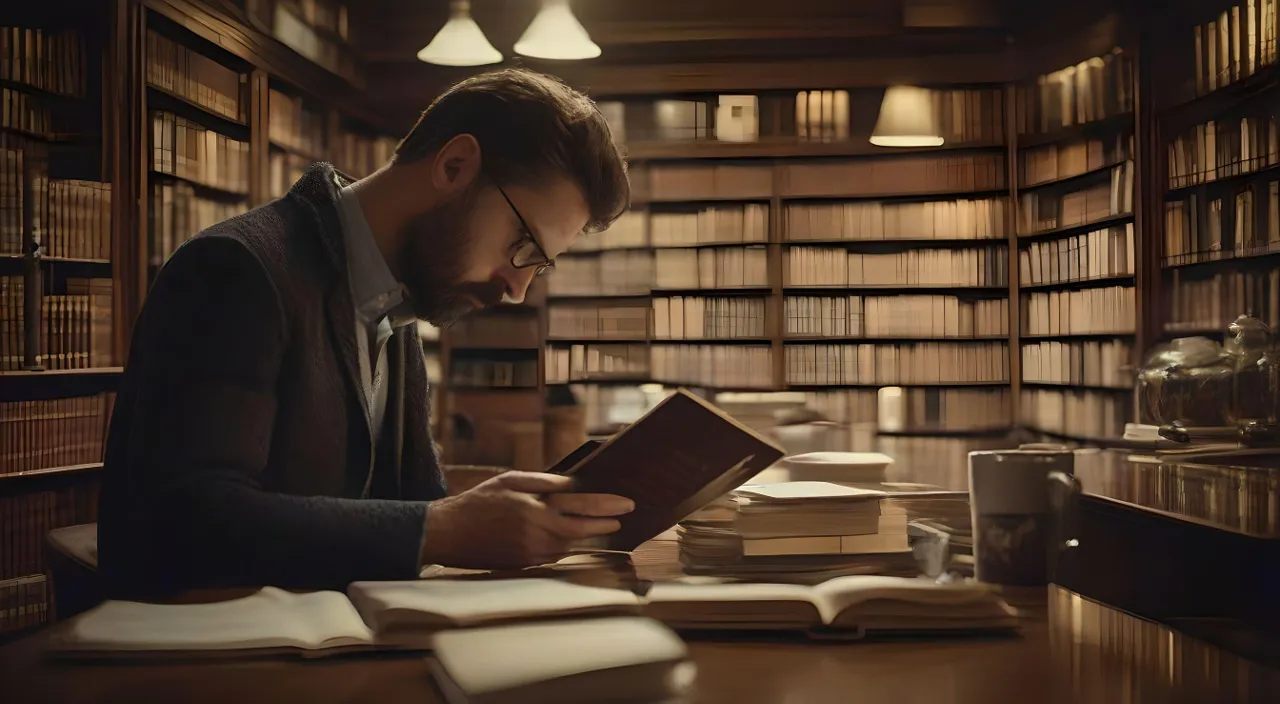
97,189
1220,185
1077,248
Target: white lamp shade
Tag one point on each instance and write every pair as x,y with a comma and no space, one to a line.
906,119
556,34
460,42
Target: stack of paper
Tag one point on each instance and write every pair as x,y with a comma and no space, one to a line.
797,531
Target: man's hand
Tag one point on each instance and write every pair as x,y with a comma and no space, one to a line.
516,519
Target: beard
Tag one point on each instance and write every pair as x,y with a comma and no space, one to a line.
435,253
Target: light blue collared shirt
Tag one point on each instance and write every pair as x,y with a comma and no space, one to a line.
380,304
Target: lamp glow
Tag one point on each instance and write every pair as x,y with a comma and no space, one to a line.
556,34
460,41
906,119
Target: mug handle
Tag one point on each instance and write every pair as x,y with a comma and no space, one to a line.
1064,496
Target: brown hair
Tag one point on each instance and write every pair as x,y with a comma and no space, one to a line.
529,125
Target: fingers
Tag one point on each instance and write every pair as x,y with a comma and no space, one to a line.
597,505
534,482
574,528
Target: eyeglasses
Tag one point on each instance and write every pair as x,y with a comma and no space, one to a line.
528,251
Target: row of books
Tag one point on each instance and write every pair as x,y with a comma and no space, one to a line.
703,317
1092,255
493,373
694,181
291,124
1213,302
1053,162
285,170
973,115
75,327
1086,312
953,410
1076,413
72,218
596,361
627,232
894,364
178,212
48,60
729,267
905,316
359,155
748,222
302,31
1050,210
902,175
603,322
496,330
190,151
1080,363
20,169
1221,149
1096,89
21,112
715,366
195,77
48,433
1198,229
833,266
25,520
1238,43
610,273
862,220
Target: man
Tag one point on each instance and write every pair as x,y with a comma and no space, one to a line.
271,425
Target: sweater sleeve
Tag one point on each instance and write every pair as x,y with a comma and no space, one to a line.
208,352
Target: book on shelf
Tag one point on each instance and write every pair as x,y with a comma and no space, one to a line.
51,433
815,266
898,176
1200,228
1086,362
1047,210
608,273
195,153
906,315
194,77
43,59
712,224
75,326
1093,90
1223,148
480,372
1097,254
914,410
627,232
871,220
1108,310
1236,44
292,124
711,268
708,317
951,362
600,360
711,365
178,212
592,661
1077,413
1212,302
1055,162
71,217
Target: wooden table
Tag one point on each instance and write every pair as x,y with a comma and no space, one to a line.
1072,651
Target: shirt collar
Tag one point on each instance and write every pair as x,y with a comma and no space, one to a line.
374,291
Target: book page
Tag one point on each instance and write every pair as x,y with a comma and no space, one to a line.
486,660
754,603
270,618
439,603
806,490
846,594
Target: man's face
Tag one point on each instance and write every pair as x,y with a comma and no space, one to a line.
458,256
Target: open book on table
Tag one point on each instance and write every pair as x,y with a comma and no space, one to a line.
408,615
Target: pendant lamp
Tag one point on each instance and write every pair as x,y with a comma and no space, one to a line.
460,42
556,34
906,119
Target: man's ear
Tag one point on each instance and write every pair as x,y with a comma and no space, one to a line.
456,165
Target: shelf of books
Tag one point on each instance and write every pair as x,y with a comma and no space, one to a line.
57,359
773,259
1221,249
1076,249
